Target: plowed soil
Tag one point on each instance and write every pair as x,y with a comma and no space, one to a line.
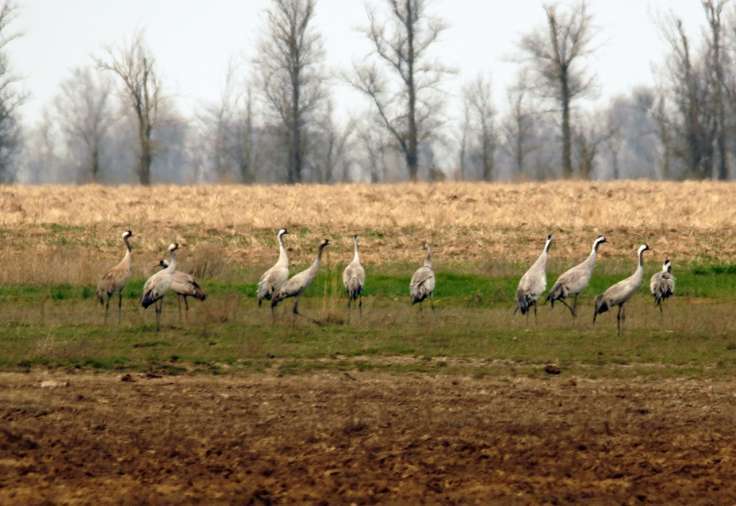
361,438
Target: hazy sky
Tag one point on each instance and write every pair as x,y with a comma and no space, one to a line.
194,40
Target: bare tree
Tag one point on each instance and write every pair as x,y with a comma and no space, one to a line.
557,57
136,67
478,97
291,73
691,120
518,127
332,142
714,10
593,131
664,136
462,136
215,126
246,153
11,96
42,161
84,116
401,43
373,144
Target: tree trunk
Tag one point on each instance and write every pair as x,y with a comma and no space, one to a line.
721,140
295,140
487,161
95,168
566,133
715,21
519,152
411,155
144,166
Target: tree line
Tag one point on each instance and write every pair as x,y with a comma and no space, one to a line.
112,119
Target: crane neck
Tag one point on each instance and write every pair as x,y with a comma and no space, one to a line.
546,246
172,262
428,258
356,252
315,264
283,256
128,247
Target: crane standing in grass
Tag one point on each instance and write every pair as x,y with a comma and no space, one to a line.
353,278
662,284
422,282
296,285
575,280
115,279
533,283
157,285
184,285
621,292
277,275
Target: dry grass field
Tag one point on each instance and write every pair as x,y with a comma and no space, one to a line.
77,229
464,404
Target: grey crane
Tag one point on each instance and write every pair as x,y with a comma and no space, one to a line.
422,282
115,279
662,284
353,277
575,280
277,275
157,285
296,285
533,283
621,292
184,286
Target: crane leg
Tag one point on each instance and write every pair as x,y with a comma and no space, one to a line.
575,306
360,306
431,301
535,313
186,309
159,304
178,303
623,316
572,311
619,319
107,307
295,311
120,306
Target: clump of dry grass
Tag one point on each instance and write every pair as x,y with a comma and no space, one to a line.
476,223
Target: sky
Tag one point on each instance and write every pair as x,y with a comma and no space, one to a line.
195,41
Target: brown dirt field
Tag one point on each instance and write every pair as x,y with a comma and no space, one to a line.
77,228
362,438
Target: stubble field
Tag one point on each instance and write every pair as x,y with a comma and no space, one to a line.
226,406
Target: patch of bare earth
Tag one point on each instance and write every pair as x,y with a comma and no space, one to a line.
364,438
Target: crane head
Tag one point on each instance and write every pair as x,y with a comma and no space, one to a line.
667,267
173,247
282,231
127,233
